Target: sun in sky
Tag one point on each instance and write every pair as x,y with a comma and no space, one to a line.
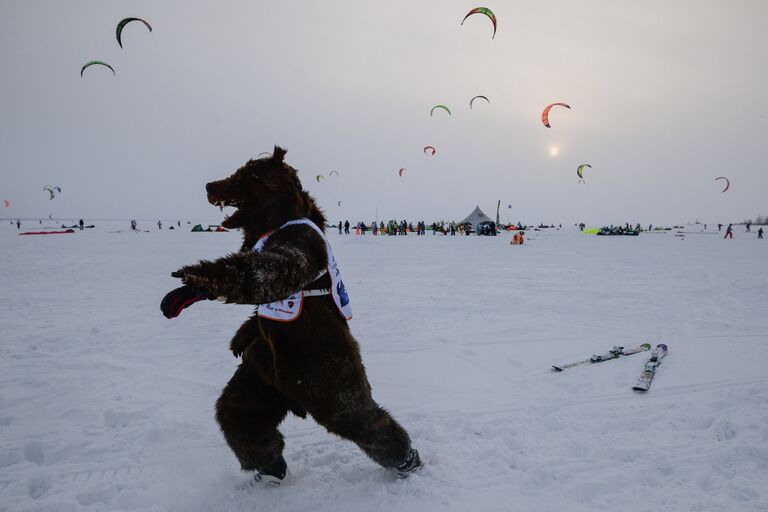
554,151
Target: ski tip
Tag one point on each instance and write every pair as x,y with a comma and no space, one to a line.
641,390
662,346
646,346
556,369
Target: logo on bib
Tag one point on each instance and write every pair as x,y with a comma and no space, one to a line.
341,290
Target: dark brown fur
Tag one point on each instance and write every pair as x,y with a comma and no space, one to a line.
310,365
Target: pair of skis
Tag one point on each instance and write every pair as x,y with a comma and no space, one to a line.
646,377
649,370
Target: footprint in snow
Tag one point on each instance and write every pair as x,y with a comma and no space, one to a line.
38,486
33,452
117,419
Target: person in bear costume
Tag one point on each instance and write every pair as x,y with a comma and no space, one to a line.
297,351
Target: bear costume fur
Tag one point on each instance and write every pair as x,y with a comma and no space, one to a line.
310,365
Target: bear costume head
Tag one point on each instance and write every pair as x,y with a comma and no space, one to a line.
266,193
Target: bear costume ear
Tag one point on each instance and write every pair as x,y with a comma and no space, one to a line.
278,154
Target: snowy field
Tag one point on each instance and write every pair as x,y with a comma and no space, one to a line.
106,405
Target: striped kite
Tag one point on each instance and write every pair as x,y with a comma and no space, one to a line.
545,114
430,148
487,12
727,182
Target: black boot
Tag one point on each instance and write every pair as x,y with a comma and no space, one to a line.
411,464
270,476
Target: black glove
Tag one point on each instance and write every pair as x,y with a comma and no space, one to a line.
182,297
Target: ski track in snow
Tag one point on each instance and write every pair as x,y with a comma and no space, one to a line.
106,405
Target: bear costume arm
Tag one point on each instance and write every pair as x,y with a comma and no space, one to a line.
291,258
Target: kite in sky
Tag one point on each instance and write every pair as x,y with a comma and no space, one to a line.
440,106
727,182
473,99
580,172
52,190
123,23
94,63
545,114
487,12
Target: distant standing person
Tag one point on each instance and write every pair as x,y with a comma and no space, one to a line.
760,233
749,225
133,225
719,227
341,226
729,232
81,224
159,225
346,227
18,224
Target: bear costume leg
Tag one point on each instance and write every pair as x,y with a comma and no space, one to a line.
338,395
249,411
273,380
370,427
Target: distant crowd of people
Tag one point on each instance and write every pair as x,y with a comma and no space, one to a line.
729,230
627,229
159,225
401,228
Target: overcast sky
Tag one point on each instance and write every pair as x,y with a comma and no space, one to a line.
665,97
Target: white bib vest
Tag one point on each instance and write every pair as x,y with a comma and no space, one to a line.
289,309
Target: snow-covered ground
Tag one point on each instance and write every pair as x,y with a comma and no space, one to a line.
106,405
